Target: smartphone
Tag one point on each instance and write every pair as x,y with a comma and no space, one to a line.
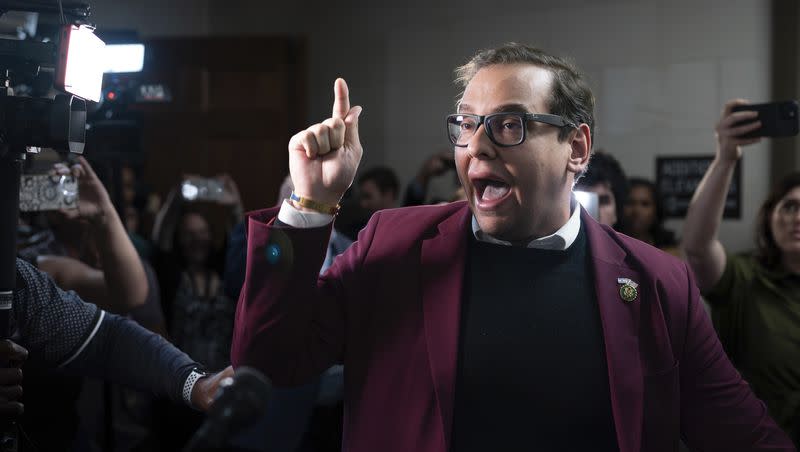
778,119
202,189
81,62
38,192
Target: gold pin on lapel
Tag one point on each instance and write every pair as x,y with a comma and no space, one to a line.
627,289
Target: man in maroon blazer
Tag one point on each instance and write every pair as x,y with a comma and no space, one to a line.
513,321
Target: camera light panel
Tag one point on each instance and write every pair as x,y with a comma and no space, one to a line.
121,58
82,63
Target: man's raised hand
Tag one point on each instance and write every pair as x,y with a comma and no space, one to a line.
323,159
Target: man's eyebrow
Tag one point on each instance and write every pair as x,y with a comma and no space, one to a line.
517,108
513,107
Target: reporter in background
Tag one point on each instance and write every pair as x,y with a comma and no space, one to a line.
378,189
606,177
755,296
434,166
100,262
199,314
644,216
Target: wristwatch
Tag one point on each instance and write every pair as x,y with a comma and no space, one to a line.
188,385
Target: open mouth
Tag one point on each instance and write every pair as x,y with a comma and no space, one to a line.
490,191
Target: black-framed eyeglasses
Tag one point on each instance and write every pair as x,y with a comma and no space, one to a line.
504,129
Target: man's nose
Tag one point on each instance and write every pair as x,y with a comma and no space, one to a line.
480,145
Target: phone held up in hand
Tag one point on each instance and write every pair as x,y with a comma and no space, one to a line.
778,119
38,192
202,189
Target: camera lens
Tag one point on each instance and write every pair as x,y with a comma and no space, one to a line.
789,111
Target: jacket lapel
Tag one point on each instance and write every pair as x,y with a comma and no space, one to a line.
620,320
443,259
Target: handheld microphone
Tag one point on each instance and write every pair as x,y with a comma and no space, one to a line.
239,403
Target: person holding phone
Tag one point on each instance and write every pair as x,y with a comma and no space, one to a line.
512,321
755,296
190,264
434,166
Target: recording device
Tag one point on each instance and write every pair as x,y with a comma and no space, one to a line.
72,59
238,404
778,119
80,66
40,192
36,121
202,189
123,58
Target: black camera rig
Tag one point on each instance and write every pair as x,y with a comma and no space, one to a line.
26,125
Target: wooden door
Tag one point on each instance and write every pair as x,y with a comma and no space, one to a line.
235,103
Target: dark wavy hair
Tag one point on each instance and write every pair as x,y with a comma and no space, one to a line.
662,237
571,96
605,169
767,251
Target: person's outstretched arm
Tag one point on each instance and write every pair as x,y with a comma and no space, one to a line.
61,331
704,252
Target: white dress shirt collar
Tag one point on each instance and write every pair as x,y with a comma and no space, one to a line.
559,240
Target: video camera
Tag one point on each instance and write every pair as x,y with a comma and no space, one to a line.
71,57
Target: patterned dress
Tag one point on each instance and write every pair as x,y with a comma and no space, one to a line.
203,322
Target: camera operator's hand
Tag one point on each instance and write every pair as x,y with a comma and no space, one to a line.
323,159
94,203
206,389
729,130
11,379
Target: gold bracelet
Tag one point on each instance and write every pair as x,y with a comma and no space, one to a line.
316,206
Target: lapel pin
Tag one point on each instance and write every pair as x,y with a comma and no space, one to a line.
627,289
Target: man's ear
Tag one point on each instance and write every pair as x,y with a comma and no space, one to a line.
581,145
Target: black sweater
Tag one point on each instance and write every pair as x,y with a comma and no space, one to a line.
532,372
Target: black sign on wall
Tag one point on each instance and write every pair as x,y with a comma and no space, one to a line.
678,177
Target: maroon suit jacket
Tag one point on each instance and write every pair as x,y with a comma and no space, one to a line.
389,310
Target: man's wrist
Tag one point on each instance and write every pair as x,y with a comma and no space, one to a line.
307,204
319,195
189,384
294,217
725,161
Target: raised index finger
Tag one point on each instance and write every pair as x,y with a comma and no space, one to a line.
341,101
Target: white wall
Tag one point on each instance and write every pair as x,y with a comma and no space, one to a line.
660,69
152,17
